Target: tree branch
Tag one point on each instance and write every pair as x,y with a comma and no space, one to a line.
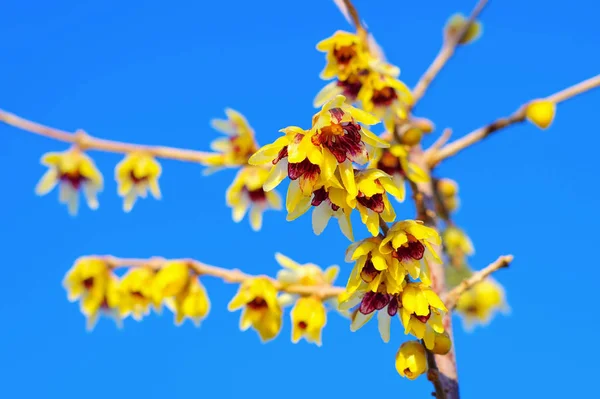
87,142
451,298
445,53
228,275
435,156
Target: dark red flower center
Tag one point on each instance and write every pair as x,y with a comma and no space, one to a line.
343,140
422,319
137,295
257,303
321,195
295,170
390,164
350,87
137,180
75,179
374,203
414,249
88,283
373,301
368,272
384,97
302,325
257,195
393,306
344,54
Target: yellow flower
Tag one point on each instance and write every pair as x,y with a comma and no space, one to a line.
456,242
394,162
349,88
262,311
479,304
235,149
541,113
412,244
87,280
328,201
307,274
421,312
385,305
346,53
411,360
456,22
442,343
308,319
107,305
192,302
135,290
73,171
372,198
135,174
246,192
172,278
385,97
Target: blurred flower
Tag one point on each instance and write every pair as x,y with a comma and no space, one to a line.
87,278
73,171
172,278
441,343
262,311
421,312
541,113
235,149
346,53
192,302
447,188
304,274
411,360
349,88
135,292
457,22
246,192
308,319
105,305
135,174
456,242
480,303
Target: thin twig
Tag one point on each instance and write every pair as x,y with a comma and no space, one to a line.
228,275
445,53
87,142
451,149
441,141
451,298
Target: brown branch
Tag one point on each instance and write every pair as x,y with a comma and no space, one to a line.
434,375
451,298
445,53
228,275
436,156
441,141
87,142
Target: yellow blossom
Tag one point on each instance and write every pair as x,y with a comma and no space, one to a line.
107,305
192,302
479,304
87,280
349,88
247,193
235,149
308,319
456,23
262,311
72,170
346,53
412,244
385,97
411,360
421,312
372,199
135,290
541,113
135,174
456,242
172,278
394,161
307,274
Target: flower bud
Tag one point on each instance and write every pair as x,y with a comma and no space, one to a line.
448,188
442,344
412,136
541,113
411,360
456,23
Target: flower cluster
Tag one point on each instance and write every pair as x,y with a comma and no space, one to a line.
363,78
74,171
391,277
480,303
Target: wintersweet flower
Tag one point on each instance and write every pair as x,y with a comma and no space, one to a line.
346,53
541,113
349,88
441,343
135,291
394,161
456,23
262,311
235,149
412,244
73,171
308,319
137,173
411,360
385,305
421,312
385,97
480,303
172,278
372,199
191,303
87,280
456,242
247,193
327,201
307,274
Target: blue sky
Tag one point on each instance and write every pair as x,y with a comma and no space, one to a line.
156,74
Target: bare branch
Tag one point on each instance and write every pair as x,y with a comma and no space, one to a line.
441,141
451,298
436,156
